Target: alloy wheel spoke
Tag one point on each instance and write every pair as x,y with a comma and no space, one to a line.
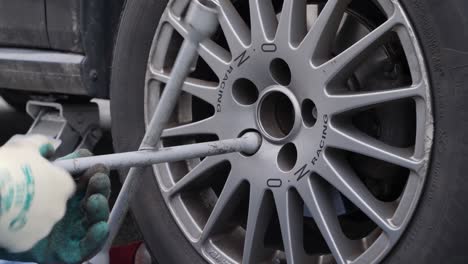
262,19
292,25
235,29
351,101
214,55
318,201
290,214
345,63
176,23
319,40
196,173
226,204
355,141
260,212
203,127
204,90
340,175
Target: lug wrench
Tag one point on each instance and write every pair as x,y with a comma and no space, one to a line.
202,22
248,143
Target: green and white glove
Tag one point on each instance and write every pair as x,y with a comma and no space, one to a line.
44,216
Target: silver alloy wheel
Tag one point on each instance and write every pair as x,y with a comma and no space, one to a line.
280,76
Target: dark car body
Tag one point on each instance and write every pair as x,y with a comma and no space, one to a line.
58,46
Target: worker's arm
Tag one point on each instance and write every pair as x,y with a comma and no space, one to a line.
44,216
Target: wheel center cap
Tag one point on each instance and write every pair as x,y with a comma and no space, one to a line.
278,114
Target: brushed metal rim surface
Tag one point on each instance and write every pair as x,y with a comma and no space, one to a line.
301,174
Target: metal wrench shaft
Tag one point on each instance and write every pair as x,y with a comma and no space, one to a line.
249,144
202,21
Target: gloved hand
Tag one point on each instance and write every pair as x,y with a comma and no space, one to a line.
44,224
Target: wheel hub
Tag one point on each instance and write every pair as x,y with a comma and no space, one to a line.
278,114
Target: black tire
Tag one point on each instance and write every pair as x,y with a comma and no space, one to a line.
438,229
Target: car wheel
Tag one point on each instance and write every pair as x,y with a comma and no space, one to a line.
361,105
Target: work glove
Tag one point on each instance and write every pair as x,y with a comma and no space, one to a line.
45,217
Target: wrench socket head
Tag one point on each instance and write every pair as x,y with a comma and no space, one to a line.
202,16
